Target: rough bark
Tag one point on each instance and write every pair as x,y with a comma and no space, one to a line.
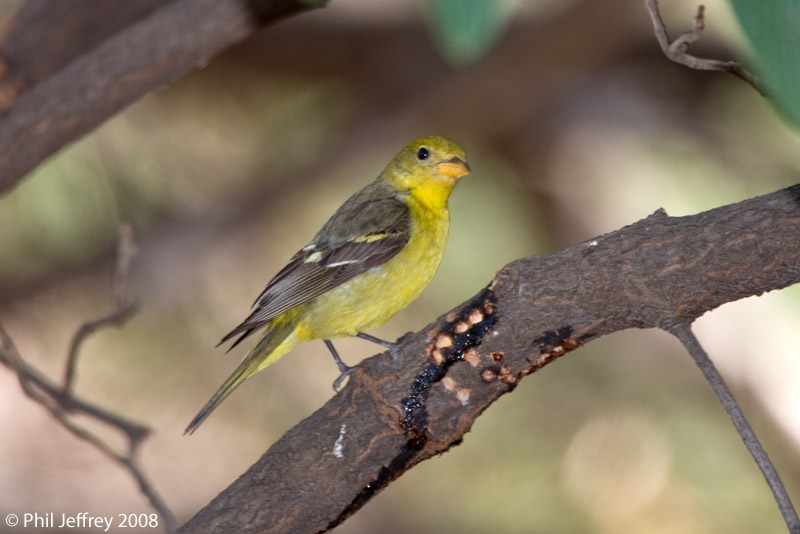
392,415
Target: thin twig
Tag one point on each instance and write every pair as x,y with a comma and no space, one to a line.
676,50
683,332
126,307
30,378
60,401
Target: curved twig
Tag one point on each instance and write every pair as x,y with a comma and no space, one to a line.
677,49
60,401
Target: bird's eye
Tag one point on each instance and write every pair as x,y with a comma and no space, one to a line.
422,154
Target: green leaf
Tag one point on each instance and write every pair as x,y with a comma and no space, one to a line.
465,30
773,29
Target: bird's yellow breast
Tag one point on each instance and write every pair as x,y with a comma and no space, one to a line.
372,298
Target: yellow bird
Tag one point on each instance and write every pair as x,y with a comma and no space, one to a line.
371,259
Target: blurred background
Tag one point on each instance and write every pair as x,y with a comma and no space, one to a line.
574,124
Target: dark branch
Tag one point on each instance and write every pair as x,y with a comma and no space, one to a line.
677,49
61,402
46,105
393,415
683,332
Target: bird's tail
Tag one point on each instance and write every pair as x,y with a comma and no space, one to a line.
272,345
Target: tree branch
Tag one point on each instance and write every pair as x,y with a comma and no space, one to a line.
48,105
683,332
393,415
60,401
677,49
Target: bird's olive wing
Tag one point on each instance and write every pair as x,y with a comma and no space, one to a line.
364,233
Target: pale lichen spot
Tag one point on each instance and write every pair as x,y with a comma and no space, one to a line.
431,334
472,357
461,327
444,341
437,357
506,375
449,383
462,394
570,343
475,316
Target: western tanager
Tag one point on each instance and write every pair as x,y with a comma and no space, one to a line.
370,260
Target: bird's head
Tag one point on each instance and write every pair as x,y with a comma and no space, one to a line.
428,168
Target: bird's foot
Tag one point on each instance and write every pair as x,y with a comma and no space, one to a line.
393,350
388,345
344,373
344,369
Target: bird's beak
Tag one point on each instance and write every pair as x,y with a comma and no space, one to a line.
453,167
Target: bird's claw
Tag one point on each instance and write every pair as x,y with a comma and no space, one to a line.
394,348
344,373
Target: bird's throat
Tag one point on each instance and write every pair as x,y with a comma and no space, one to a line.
433,194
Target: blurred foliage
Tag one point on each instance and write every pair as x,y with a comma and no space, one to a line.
465,30
772,29
66,212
